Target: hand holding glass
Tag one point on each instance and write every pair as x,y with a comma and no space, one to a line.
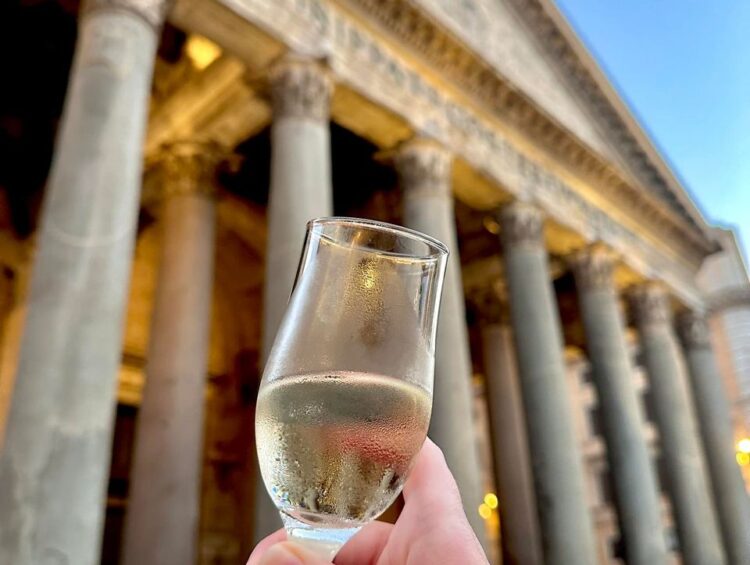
346,395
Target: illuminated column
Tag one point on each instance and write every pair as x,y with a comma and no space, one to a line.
54,464
425,172
712,409
680,447
7,297
300,191
162,517
518,511
634,479
567,534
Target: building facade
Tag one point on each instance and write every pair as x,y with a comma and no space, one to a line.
724,279
197,139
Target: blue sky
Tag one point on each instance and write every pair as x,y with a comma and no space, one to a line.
683,66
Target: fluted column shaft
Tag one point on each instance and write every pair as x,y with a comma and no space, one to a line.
162,518
629,461
425,172
53,468
300,191
518,512
557,466
681,453
712,409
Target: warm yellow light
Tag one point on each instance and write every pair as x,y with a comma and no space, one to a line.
744,445
490,499
743,459
485,511
369,281
201,51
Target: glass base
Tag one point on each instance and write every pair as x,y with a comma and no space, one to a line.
324,542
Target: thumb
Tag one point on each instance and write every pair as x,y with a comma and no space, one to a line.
289,553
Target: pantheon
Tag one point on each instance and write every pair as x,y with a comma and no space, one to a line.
161,162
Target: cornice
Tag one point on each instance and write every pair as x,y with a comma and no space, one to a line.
476,76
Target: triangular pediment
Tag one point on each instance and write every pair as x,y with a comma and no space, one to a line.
529,43
494,31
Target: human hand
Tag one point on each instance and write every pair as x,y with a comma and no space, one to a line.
432,528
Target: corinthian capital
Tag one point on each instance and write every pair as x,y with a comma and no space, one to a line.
694,330
189,167
593,267
153,11
300,88
424,168
490,303
521,224
650,304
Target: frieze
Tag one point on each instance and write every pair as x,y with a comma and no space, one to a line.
366,64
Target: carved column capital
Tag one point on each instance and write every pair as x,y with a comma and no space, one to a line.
694,330
424,168
490,304
188,168
650,304
152,11
593,268
300,88
521,224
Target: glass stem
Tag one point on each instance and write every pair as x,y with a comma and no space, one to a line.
324,542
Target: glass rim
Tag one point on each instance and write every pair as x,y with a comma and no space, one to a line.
438,248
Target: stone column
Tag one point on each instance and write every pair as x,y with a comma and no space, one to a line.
424,169
53,468
518,511
300,191
680,448
632,470
7,293
557,465
7,299
712,409
162,515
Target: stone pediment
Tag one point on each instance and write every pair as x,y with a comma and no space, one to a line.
522,58
494,31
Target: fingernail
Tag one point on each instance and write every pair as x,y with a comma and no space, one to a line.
280,554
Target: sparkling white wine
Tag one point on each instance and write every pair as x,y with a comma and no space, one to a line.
335,449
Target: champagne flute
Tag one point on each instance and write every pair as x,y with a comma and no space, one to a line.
345,400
